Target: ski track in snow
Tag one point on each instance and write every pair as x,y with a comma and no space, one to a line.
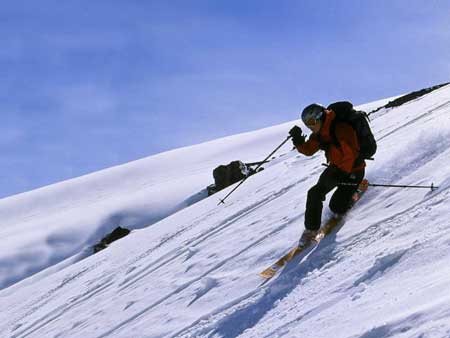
192,243
41,301
56,313
186,285
428,114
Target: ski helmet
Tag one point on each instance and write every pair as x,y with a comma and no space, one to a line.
313,112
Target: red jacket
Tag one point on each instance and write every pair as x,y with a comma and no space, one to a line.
343,154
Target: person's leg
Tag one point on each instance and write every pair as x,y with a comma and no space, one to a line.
341,200
315,199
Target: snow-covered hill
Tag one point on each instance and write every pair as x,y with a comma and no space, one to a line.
194,273
57,225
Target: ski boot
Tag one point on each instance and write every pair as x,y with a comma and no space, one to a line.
308,236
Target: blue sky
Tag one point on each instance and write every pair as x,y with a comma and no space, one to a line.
86,85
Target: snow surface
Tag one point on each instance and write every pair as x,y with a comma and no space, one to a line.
58,224
194,271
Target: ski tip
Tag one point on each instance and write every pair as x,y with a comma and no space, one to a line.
268,273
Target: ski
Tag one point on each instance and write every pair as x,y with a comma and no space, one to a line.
325,230
294,252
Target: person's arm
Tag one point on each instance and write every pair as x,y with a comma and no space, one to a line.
307,148
310,147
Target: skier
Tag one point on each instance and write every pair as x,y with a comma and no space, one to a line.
340,143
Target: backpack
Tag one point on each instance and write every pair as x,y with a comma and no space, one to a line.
359,120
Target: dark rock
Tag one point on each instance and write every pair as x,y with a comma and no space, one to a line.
409,97
226,175
116,234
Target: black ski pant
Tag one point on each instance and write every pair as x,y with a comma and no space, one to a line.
341,200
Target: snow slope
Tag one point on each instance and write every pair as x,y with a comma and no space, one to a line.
58,224
44,227
194,273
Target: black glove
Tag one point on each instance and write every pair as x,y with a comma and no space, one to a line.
297,136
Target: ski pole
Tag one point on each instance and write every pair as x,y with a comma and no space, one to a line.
222,201
432,187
